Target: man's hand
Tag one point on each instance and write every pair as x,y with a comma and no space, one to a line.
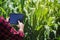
7,19
20,26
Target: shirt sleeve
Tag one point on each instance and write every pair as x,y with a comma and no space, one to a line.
17,35
20,33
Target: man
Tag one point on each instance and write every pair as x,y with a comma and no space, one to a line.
9,33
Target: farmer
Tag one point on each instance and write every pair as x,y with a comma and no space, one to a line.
9,33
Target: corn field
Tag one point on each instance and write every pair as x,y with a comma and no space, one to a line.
42,17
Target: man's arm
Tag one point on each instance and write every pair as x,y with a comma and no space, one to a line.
20,32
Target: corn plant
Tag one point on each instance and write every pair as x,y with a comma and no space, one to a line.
41,17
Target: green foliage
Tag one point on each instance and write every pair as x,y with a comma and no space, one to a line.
41,17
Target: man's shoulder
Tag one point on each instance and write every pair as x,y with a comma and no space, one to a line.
4,23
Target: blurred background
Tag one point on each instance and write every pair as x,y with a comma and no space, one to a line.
42,17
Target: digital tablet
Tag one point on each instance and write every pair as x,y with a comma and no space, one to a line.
15,17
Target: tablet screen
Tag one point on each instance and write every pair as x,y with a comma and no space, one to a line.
15,17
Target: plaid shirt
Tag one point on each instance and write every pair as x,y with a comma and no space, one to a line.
9,33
